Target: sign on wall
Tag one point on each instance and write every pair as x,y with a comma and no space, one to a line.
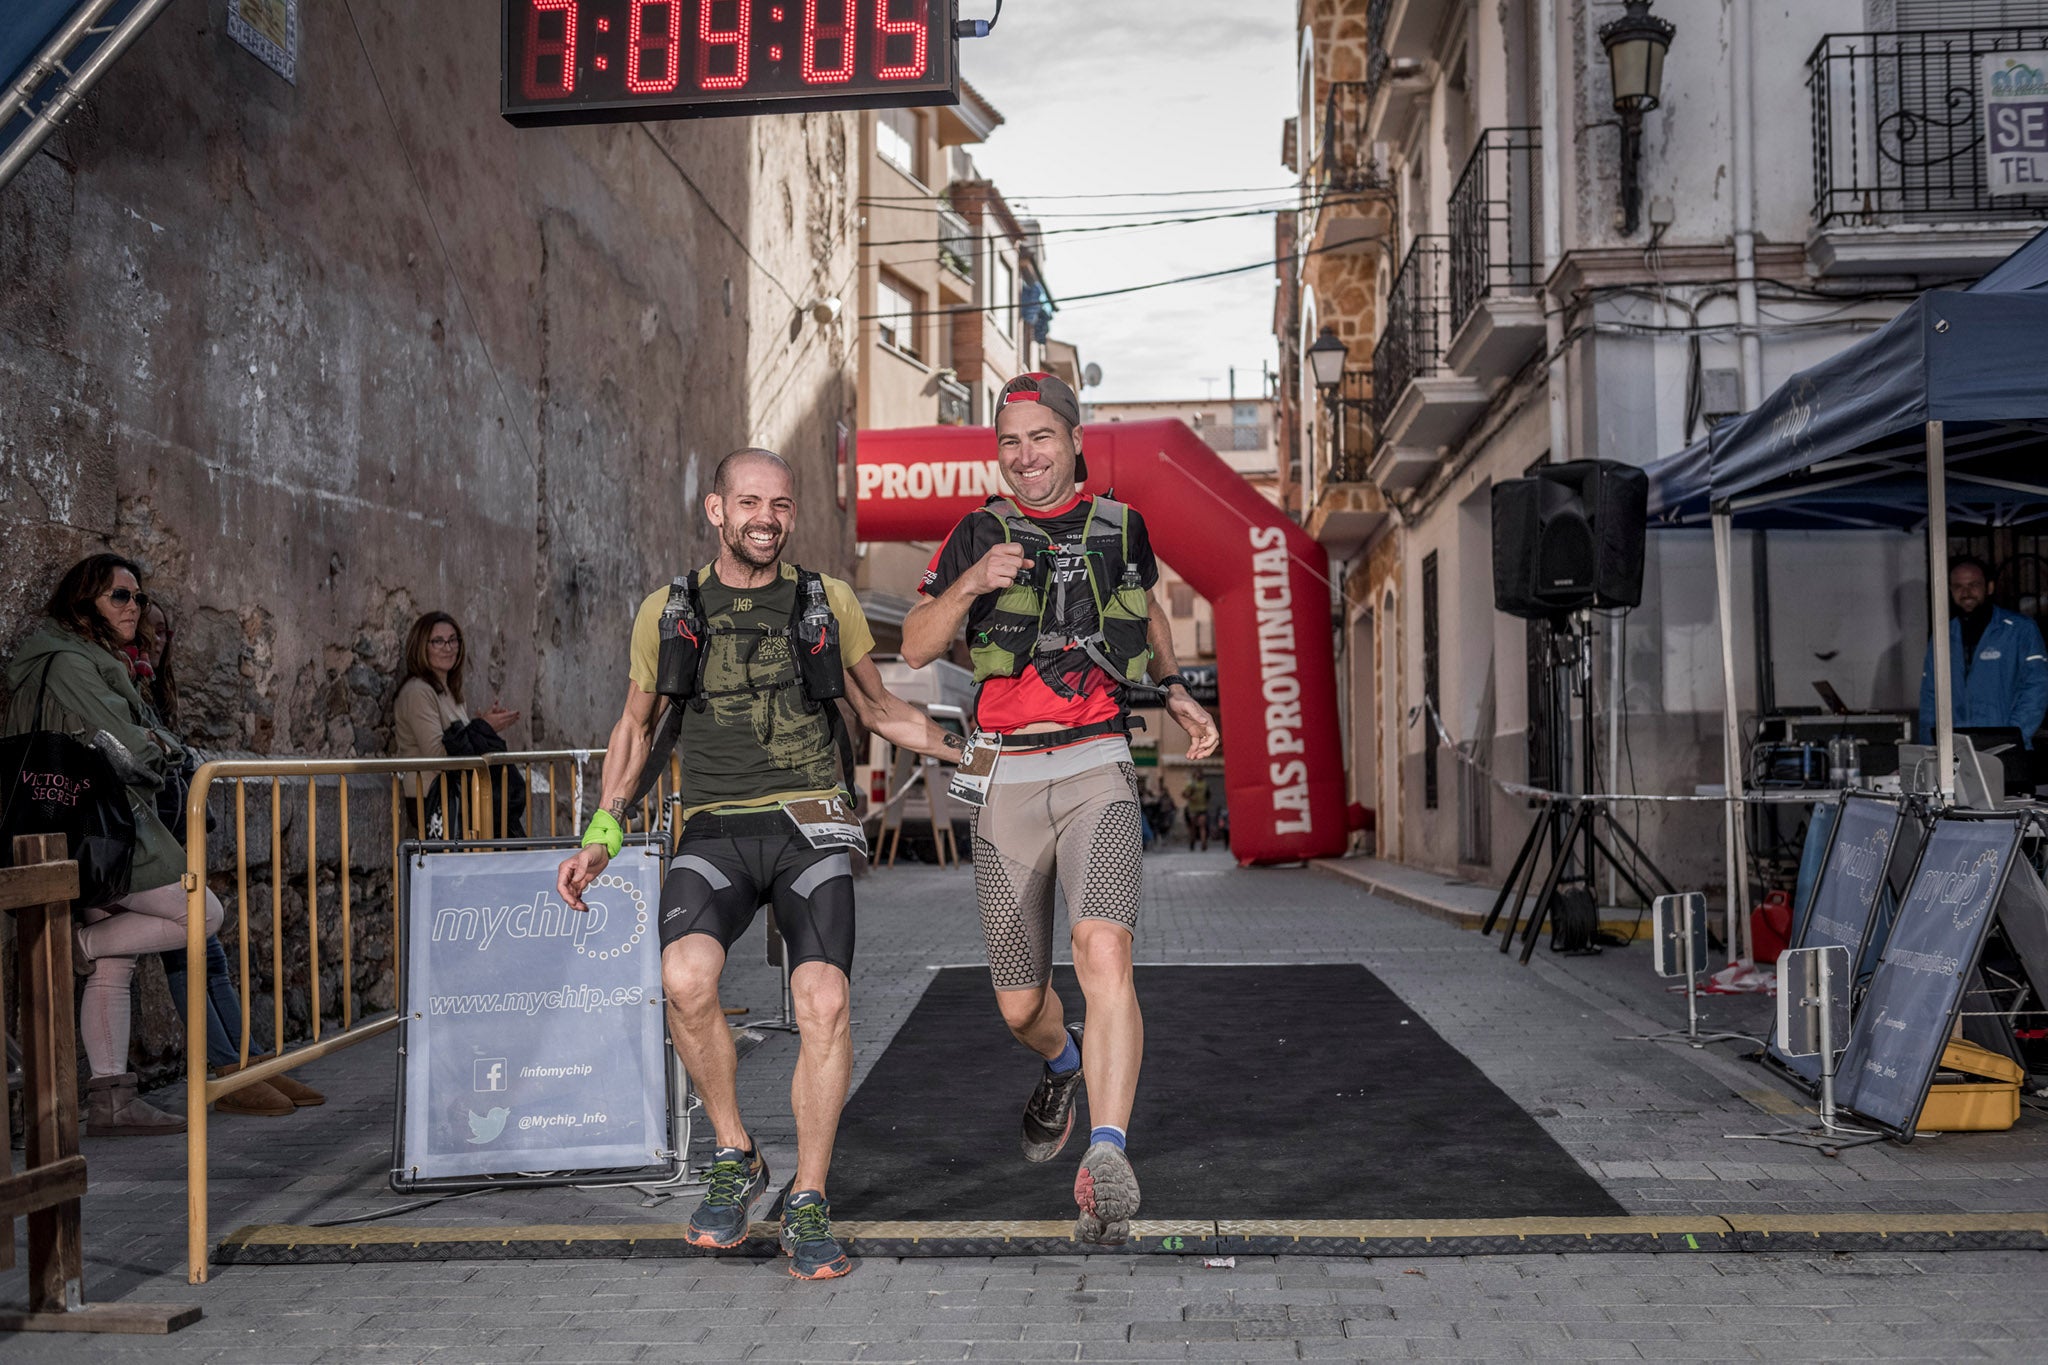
2015,121
270,29
533,1037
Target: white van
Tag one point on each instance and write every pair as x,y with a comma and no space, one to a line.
944,691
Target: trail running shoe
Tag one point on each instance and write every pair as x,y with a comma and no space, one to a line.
814,1254
737,1180
1106,1188
1049,1114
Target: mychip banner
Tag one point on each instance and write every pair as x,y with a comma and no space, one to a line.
533,1038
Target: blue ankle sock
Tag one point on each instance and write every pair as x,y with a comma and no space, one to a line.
1113,1136
1069,1060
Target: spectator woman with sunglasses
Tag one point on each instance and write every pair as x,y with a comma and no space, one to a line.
74,676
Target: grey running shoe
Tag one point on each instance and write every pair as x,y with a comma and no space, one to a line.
814,1254
737,1180
1106,1188
1049,1114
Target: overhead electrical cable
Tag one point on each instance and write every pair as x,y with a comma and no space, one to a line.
1272,264
1123,227
1119,194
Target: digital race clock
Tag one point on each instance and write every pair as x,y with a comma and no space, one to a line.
604,61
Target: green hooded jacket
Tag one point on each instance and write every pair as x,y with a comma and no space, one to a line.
89,691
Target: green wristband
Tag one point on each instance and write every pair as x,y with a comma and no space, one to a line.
605,829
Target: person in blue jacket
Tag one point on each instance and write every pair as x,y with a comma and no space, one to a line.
1998,666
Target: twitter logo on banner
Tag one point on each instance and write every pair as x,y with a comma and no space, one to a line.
486,1128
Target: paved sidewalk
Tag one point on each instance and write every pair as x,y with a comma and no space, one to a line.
1648,1119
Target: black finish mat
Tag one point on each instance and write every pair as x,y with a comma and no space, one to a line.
1296,1092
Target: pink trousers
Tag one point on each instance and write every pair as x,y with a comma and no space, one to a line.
149,921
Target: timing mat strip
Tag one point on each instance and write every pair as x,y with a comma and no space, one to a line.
285,1244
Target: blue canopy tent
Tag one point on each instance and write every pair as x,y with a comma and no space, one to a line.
1943,411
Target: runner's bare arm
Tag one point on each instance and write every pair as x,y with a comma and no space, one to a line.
624,755
1185,710
929,627
895,719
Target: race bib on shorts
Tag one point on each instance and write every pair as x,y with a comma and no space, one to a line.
827,822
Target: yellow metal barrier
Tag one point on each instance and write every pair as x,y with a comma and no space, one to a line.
478,785
564,811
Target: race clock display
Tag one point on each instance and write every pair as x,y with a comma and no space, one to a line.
603,61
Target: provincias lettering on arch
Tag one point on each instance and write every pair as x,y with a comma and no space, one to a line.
1280,680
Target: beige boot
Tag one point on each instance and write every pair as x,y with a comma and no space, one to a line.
258,1097
113,1109
301,1095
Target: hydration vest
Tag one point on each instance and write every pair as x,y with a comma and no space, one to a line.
813,635
1026,631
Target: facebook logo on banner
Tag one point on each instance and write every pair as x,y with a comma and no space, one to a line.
491,1073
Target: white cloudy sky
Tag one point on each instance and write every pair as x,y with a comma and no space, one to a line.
1105,97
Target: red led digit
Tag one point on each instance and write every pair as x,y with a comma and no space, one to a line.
668,66
538,49
914,28
710,37
841,33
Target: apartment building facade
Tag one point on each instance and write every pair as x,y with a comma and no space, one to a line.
1513,282
952,302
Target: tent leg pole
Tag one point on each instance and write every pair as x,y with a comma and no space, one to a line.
1937,613
1735,938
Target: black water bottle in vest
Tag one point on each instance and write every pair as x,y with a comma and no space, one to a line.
675,673
817,642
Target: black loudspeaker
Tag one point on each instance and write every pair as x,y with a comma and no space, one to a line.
1569,536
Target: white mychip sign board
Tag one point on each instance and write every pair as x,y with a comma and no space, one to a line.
2015,88
534,1038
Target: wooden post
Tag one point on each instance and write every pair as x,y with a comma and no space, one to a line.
49,1080
40,887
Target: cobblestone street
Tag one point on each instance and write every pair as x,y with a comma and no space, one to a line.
1647,1119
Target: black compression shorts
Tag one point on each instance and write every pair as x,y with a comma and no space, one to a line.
726,867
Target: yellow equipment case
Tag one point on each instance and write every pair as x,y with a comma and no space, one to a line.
1987,1100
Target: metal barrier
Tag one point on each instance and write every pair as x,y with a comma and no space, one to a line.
469,792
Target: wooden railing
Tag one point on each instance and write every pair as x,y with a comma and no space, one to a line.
39,889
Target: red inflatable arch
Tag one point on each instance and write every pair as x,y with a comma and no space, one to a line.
1267,583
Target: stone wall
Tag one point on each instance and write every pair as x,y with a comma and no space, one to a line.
324,356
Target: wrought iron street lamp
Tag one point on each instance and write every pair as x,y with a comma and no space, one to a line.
1326,361
1635,43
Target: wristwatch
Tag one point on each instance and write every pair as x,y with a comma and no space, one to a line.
1170,679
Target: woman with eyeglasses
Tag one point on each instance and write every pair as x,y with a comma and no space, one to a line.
75,676
430,720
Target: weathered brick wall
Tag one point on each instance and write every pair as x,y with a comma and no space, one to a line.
326,355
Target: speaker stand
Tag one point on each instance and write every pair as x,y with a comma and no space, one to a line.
1572,834
1554,846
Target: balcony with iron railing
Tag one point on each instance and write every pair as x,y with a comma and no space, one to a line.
1412,343
1347,507
1344,198
957,244
956,402
1901,170
1495,270
1418,404
1345,165
1351,433
1377,58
